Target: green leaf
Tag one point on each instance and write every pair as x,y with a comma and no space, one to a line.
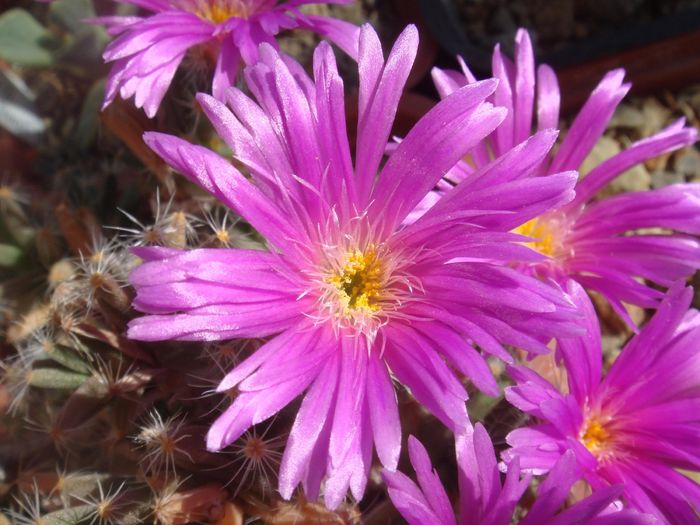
70,14
56,378
81,52
24,41
68,358
84,42
69,516
9,255
18,113
86,130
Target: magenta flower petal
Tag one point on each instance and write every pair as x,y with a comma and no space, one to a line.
583,353
227,66
311,419
215,174
429,482
333,138
251,408
381,87
548,98
589,124
503,70
662,142
384,413
340,32
433,146
410,501
524,87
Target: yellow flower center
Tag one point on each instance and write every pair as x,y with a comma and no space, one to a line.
218,11
595,436
541,230
359,283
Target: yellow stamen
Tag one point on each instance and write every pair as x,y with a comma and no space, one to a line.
595,436
359,283
543,232
219,11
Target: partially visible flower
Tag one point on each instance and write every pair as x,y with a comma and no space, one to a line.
484,501
597,242
344,292
149,49
636,426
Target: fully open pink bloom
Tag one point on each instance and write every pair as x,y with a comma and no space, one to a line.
596,242
484,501
346,294
149,49
637,425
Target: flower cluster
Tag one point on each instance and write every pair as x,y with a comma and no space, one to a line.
350,282
370,276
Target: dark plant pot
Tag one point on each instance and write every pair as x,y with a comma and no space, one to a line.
658,54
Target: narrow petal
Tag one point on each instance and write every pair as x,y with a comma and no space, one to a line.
381,86
226,70
553,491
503,70
218,176
431,148
251,408
344,34
429,482
524,86
266,352
308,424
409,500
673,137
582,354
589,124
384,413
548,98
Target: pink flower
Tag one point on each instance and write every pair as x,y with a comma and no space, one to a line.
484,501
637,425
149,49
596,242
346,295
